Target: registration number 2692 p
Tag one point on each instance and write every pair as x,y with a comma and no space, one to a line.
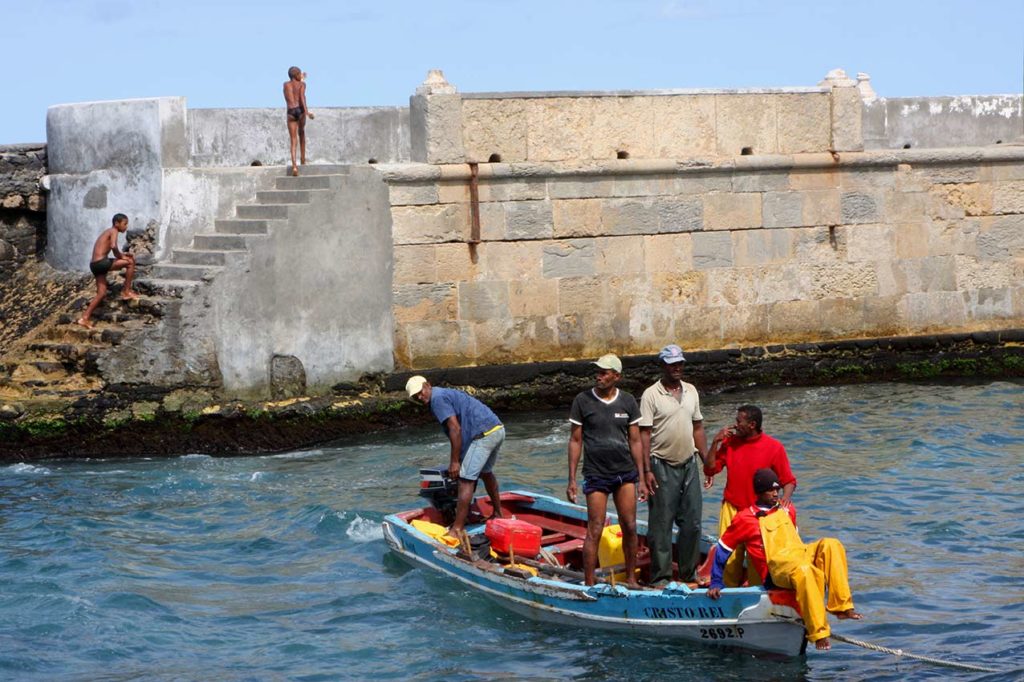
723,632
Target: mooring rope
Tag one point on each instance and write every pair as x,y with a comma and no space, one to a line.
901,652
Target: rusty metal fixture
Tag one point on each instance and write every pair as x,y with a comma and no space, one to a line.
474,203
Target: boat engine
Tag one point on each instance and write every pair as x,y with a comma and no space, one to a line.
442,491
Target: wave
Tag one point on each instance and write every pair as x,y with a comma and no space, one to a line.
22,468
364,530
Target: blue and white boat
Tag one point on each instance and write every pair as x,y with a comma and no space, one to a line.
550,587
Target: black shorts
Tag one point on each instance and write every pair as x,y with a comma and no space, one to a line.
295,113
608,484
101,266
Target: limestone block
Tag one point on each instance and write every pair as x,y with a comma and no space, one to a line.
417,302
1005,171
570,334
821,207
680,288
494,126
433,343
512,260
972,274
582,295
911,240
683,126
559,128
528,220
804,122
935,273
732,211
881,316
1008,197
760,181
1001,238
905,206
847,115
429,224
742,121
839,280
842,317
858,207
953,201
631,216
782,209
933,174
492,221
867,179
579,188
436,128
818,178
517,340
619,255
455,263
413,194
819,244
761,247
744,324
953,237
989,304
569,258
793,319
712,250
699,183
641,185
287,377
730,286
622,124
414,265
668,253
693,326
870,242
577,218
456,192
533,297
512,189
481,301
679,214
940,310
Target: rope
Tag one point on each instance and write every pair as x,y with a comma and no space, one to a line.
901,652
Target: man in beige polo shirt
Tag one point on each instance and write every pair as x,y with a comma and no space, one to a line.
672,436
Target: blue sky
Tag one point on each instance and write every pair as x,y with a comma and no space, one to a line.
235,53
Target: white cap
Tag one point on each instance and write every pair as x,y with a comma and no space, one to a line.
414,385
610,361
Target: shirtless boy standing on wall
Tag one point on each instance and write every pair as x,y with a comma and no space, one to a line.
101,264
295,100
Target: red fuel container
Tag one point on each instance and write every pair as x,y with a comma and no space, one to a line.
522,537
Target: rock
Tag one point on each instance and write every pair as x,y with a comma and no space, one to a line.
13,201
10,411
287,377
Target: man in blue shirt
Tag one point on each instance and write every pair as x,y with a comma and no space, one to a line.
475,434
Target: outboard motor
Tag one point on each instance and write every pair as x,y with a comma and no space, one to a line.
442,491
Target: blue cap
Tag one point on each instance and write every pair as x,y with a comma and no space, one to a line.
671,354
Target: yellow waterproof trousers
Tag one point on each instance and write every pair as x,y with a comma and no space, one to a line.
732,576
808,570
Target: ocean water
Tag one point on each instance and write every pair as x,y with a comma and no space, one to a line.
274,567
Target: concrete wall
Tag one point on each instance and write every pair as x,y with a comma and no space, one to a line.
237,137
923,122
107,158
579,259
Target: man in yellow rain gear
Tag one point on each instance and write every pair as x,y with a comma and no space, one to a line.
773,545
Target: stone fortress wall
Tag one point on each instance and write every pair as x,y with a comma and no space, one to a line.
606,221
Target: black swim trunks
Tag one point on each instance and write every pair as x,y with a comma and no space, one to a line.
101,266
295,113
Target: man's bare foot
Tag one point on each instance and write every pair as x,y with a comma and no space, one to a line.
295,171
849,614
823,644
129,295
82,322
633,585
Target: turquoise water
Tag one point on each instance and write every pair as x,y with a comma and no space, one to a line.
274,567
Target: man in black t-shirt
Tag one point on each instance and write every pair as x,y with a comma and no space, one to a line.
605,430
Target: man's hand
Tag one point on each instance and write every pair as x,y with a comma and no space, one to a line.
570,491
453,469
785,502
641,489
708,482
310,114
714,592
652,483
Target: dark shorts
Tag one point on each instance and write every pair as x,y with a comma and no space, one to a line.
101,266
295,113
608,484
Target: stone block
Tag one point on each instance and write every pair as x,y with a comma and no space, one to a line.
668,253
819,244
679,214
570,334
870,242
733,211
972,274
783,209
511,260
577,218
641,186
512,189
1013,170
481,301
492,221
762,247
559,129
760,181
743,324
839,280
804,122
582,295
414,265
974,199
287,377
532,297
821,207
933,311
13,201
730,286
569,258
436,128
579,188
429,224
456,192
867,179
419,302
631,216
683,126
858,207
936,175
528,220
841,317
953,237
413,194
679,288
516,340
989,304
881,316
905,206
699,183
456,263
847,120
712,250
1001,238
793,320
432,343
619,255
911,240
494,126
742,121
692,326
817,178
622,124
1008,197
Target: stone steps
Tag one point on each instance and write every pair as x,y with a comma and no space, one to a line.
203,257
262,211
182,271
285,196
244,225
304,182
172,288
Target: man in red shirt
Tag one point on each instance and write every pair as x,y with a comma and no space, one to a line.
768,531
743,448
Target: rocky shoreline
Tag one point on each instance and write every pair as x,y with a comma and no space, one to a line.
124,421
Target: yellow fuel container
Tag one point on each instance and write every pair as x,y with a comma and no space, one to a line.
609,552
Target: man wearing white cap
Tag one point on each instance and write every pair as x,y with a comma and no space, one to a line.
604,430
475,434
672,435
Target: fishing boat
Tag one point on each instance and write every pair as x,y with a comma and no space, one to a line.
544,580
